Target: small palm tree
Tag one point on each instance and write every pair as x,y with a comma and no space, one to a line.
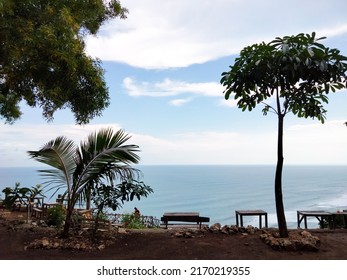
79,169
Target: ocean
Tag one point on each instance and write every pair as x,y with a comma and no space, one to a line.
216,191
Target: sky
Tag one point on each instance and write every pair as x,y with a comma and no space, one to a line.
163,66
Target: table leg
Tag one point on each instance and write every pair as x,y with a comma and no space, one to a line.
260,221
266,224
305,221
237,219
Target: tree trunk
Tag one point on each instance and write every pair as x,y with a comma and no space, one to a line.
281,219
68,219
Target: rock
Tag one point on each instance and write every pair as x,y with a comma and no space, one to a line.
306,234
234,229
101,247
251,229
274,243
309,246
179,234
288,245
225,230
241,229
263,236
122,230
215,228
295,242
45,242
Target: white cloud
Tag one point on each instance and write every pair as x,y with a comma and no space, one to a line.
170,87
317,143
166,34
16,140
180,102
303,144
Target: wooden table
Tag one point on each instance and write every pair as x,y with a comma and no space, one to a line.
260,213
319,215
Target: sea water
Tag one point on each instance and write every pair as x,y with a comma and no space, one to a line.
217,191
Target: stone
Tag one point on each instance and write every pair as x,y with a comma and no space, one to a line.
251,229
45,242
306,234
215,228
122,230
234,229
179,234
101,247
288,245
225,230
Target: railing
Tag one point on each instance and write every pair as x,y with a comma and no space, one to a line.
148,221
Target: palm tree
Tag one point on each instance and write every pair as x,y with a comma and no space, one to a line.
79,169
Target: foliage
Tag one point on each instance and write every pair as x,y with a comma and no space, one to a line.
16,195
56,216
43,60
339,222
113,196
21,194
36,191
297,69
132,221
103,157
299,72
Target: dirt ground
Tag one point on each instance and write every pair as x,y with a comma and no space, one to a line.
161,244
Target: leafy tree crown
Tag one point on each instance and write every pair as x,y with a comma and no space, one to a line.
298,70
42,58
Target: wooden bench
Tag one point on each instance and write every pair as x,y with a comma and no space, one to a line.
190,217
87,224
37,213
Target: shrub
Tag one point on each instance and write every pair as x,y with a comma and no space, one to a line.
132,221
56,216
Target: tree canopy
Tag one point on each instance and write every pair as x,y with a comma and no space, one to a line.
42,58
299,69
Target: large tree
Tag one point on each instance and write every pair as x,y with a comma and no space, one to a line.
43,60
297,73
103,158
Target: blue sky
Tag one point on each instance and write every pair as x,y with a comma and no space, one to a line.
163,65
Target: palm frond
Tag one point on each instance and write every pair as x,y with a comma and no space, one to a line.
60,154
104,156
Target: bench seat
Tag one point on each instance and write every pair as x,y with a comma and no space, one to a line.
190,217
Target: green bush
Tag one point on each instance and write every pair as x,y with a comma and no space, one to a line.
339,222
56,216
132,221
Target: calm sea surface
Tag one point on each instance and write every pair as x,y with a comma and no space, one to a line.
217,191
